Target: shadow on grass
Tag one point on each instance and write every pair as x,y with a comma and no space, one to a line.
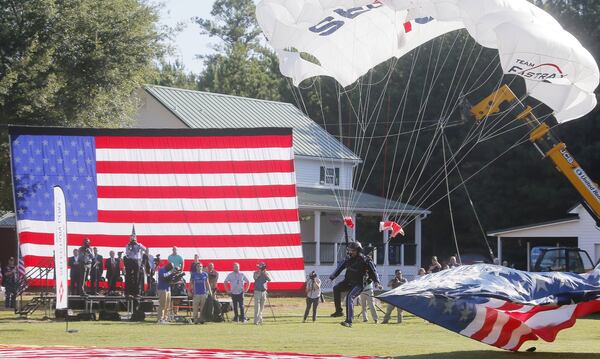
11,330
492,354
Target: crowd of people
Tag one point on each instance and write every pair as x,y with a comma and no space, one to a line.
145,274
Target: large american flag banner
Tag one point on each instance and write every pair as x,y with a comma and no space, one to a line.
226,195
500,306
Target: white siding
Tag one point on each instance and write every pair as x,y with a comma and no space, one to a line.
308,172
153,114
588,235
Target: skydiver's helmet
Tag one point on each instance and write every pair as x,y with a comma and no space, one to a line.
355,246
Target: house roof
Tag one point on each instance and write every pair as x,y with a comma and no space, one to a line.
8,221
327,199
199,109
500,232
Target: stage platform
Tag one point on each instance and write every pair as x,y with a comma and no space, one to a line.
127,307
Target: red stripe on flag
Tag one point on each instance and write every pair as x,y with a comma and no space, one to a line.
212,167
549,333
262,216
194,142
273,286
120,241
222,265
508,306
197,192
506,333
490,319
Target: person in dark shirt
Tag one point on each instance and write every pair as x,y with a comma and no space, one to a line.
96,272
75,272
113,272
435,265
356,265
10,283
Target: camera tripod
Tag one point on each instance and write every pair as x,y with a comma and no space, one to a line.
268,302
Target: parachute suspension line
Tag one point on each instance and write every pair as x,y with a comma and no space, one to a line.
462,180
447,115
449,199
422,163
417,126
519,142
358,178
432,181
465,142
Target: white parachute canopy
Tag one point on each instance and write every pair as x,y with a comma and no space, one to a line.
344,39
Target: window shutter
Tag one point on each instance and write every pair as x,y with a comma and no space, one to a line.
337,176
322,176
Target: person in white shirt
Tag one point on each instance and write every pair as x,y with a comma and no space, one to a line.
313,294
366,302
236,284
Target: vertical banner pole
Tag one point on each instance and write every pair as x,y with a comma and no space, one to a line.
60,253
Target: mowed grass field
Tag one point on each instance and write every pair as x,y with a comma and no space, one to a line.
413,339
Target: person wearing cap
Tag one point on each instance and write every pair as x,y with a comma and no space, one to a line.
356,265
394,283
133,252
261,278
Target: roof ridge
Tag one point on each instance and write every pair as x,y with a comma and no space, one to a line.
220,95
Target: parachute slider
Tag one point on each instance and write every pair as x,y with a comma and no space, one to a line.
391,226
491,104
349,222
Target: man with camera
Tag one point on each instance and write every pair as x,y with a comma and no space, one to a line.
236,283
313,295
261,278
133,252
356,265
199,291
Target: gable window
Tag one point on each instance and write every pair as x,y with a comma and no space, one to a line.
330,176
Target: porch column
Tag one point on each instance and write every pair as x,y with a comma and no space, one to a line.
418,240
317,215
355,224
335,254
499,250
386,248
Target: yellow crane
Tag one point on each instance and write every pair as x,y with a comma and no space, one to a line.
546,142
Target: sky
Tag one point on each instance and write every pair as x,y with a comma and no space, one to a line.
189,42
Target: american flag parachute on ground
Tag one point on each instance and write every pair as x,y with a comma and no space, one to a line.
500,306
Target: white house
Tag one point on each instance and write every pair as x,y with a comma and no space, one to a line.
324,170
577,230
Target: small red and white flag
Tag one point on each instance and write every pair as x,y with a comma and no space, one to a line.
391,226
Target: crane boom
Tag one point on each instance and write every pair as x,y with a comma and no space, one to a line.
545,142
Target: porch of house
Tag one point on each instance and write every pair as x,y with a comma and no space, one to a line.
323,238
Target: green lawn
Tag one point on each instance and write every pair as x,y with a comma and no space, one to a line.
412,339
